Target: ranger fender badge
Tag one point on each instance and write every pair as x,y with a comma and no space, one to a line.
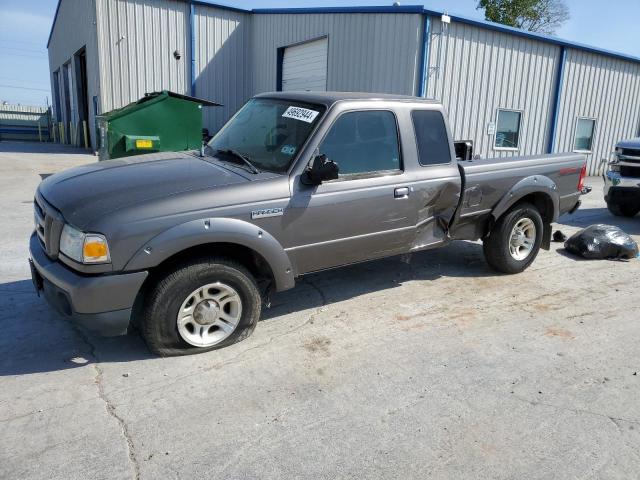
267,212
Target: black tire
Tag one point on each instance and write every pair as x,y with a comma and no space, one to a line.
623,209
158,324
496,245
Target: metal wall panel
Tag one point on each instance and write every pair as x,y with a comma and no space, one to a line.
137,40
367,51
603,88
74,28
223,75
475,71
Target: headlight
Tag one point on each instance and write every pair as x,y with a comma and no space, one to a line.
84,247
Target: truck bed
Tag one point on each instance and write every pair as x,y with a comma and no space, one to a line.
488,183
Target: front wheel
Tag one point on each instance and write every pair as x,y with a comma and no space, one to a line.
200,305
514,241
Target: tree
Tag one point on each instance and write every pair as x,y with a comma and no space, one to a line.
542,16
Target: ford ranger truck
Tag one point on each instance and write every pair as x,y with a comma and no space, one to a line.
622,180
187,247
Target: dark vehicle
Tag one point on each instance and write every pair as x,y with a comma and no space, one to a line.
188,246
622,180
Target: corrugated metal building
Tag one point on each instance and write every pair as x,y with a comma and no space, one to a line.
510,91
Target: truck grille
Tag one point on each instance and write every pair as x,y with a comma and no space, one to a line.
628,171
631,155
48,225
38,215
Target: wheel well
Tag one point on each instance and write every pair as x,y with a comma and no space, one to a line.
250,259
543,204
541,201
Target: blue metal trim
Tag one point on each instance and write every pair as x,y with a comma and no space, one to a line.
424,60
373,9
192,27
220,5
556,104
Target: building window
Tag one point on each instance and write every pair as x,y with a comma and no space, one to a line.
431,134
508,130
363,142
584,134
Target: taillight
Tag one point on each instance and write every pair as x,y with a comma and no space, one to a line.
583,174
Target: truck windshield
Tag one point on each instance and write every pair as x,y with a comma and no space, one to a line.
268,132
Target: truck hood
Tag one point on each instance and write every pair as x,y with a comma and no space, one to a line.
85,193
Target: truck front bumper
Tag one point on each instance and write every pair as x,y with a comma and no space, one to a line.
100,303
617,186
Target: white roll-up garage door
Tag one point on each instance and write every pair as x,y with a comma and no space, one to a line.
304,66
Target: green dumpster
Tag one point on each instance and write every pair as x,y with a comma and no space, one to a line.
159,121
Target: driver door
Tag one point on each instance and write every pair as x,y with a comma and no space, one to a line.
366,212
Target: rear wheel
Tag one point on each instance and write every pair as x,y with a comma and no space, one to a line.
623,209
514,241
200,305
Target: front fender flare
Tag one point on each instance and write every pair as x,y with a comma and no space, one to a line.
527,186
216,230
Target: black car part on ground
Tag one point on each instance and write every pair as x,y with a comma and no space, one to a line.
602,241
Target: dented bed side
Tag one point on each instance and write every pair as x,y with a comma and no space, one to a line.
492,186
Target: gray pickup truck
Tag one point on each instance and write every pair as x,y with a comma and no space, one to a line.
622,180
188,246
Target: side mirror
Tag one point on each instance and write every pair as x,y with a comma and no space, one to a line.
320,169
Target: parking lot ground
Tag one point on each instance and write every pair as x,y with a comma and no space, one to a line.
431,366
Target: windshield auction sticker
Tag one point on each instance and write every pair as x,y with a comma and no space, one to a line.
299,113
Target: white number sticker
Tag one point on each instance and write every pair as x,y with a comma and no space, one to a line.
303,114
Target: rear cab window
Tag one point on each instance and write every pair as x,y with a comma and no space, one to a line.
431,137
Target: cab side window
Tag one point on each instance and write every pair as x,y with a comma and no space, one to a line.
363,142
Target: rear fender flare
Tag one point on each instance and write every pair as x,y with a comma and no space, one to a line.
216,230
527,186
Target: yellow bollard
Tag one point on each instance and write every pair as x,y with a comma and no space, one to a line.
52,129
63,140
71,133
86,137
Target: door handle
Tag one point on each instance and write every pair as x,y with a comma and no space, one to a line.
401,192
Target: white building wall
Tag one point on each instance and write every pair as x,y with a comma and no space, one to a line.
367,51
137,40
606,89
475,71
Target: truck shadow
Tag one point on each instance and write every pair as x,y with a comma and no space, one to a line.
459,259
35,339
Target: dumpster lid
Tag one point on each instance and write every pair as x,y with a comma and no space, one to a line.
149,99
201,101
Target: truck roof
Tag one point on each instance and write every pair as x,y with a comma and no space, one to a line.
329,98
